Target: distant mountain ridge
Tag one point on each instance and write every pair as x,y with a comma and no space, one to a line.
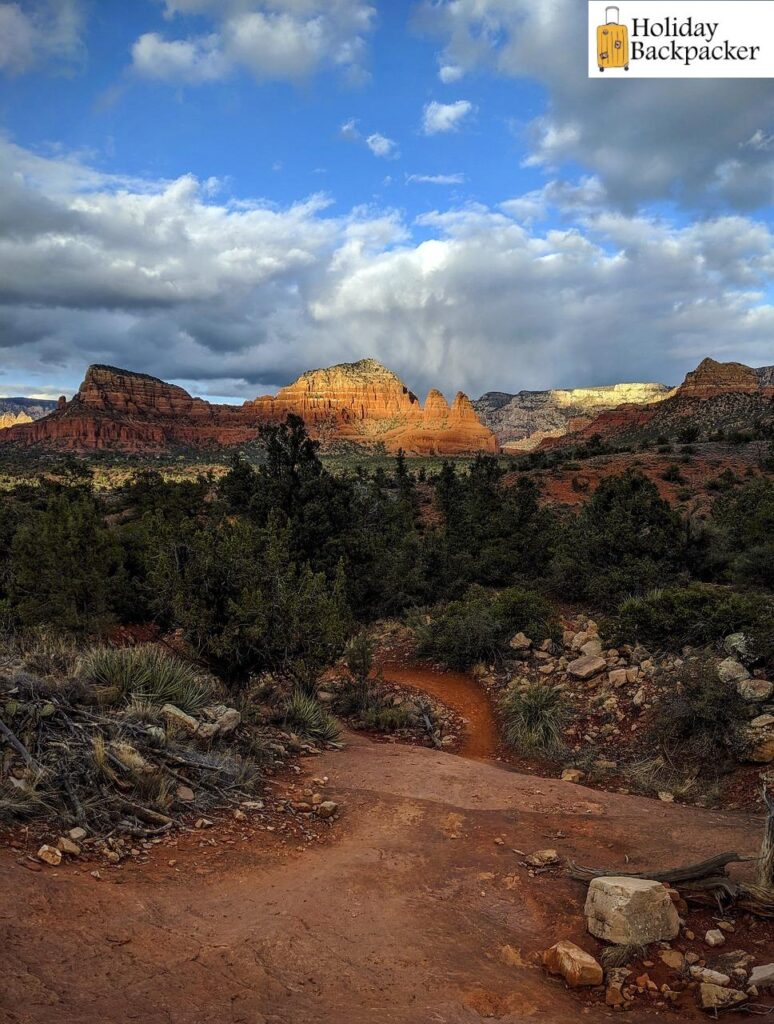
713,397
16,411
362,402
523,421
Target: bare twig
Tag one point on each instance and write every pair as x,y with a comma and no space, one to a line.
19,747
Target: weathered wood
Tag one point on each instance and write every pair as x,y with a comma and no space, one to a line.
19,747
765,873
144,813
689,873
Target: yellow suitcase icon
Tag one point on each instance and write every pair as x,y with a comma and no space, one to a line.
612,42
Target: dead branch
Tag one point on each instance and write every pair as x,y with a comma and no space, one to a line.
19,747
689,873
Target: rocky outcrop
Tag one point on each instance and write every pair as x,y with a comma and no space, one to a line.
13,419
362,402
522,421
713,397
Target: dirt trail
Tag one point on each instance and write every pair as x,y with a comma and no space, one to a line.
412,914
457,691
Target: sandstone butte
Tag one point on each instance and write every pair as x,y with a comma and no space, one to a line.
361,402
14,419
714,395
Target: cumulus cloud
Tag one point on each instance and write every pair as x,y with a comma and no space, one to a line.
445,117
46,32
701,142
380,145
271,39
383,147
237,296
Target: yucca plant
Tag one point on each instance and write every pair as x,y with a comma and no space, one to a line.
534,719
307,717
146,673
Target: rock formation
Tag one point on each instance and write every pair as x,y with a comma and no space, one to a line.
361,402
522,421
713,397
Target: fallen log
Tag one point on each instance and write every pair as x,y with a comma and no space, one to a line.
689,873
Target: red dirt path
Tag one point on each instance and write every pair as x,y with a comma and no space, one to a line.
410,914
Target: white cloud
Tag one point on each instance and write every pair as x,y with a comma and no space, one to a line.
239,295
271,39
700,142
445,117
450,73
33,33
436,179
382,147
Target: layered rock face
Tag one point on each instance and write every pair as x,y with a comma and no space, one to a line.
715,396
522,421
360,402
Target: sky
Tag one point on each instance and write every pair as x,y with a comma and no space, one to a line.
225,193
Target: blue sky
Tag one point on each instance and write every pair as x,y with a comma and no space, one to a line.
225,194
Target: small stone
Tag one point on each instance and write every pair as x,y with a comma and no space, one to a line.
203,823
715,997
592,649
755,691
77,834
66,845
177,719
586,667
50,855
573,775
185,793
240,816
543,858
672,958
715,937
326,809
576,966
520,642
710,977
732,671
617,677
762,976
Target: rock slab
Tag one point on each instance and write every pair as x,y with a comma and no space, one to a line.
576,966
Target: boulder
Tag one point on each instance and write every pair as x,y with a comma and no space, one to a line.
755,691
738,646
762,976
715,997
732,671
576,966
228,722
630,910
586,667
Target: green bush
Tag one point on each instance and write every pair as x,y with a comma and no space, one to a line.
307,717
145,673
478,627
533,719
696,614
700,722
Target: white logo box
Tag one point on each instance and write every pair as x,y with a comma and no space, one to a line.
686,39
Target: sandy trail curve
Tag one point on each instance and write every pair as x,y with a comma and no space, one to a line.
457,691
412,915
